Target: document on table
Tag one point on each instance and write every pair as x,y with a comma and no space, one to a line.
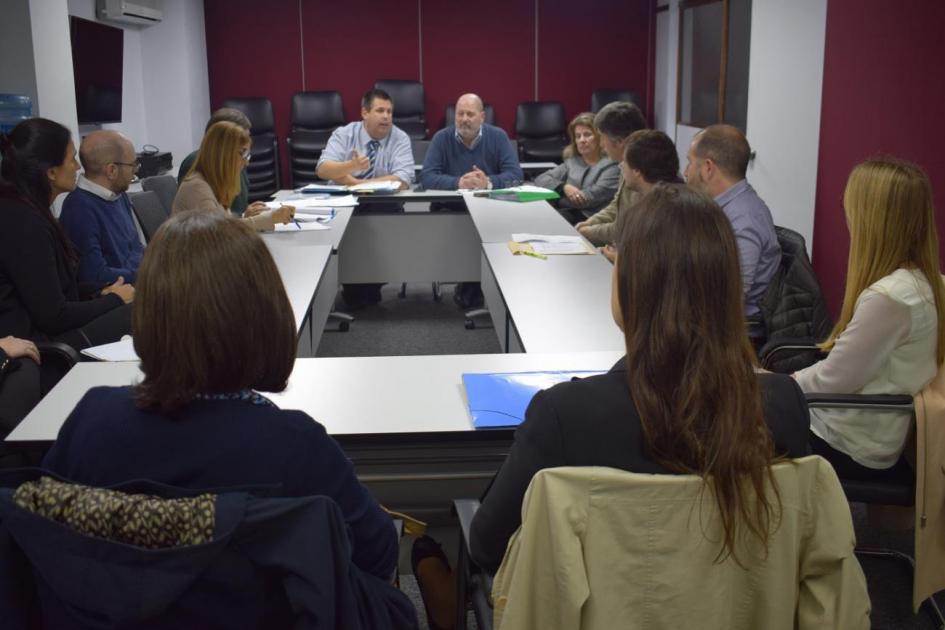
376,186
552,244
307,226
123,350
314,205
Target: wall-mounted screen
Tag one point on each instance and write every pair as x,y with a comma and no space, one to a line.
97,58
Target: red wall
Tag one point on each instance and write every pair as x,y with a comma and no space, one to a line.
883,94
254,49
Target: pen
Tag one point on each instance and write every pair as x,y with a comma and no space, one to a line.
297,224
534,254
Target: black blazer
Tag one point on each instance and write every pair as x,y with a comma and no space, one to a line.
39,294
593,422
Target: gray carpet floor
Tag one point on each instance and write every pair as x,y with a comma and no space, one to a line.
417,325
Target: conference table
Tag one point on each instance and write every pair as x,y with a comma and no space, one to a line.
404,420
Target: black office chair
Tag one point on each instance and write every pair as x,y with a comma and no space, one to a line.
541,130
164,186
410,107
599,98
450,116
793,307
263,168
315,115
149,211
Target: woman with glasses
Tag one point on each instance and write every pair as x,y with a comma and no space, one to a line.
41,297
214,179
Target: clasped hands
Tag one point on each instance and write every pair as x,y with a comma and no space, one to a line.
474,180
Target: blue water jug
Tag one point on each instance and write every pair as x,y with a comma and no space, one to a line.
13,109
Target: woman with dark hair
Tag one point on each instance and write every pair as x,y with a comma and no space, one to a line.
686,398
40,297
196,419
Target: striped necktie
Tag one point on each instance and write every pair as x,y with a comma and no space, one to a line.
372,156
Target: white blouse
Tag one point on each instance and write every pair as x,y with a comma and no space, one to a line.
889,347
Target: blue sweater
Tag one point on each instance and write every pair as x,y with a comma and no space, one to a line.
104,234
448,159
218,444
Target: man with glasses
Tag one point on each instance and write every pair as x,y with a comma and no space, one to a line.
97,215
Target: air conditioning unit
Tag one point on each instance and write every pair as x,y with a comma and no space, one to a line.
142,12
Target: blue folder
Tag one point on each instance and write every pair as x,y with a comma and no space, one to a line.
500,400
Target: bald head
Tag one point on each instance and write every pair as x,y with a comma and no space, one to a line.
470,100
470,114
727,147
100,148
108,158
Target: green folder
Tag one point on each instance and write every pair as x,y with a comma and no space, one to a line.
516,194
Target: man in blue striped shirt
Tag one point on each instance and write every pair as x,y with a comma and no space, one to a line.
372,149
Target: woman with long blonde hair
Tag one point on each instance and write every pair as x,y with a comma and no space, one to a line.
890,338
214,180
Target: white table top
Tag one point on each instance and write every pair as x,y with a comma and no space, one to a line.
497,220
301,265
561,304
349,396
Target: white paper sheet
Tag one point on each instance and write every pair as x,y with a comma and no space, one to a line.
308,226
123,350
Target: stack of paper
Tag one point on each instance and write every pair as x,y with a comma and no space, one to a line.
362,188
314,205
551,244
331,189
375,187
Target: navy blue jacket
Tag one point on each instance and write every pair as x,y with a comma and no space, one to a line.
273,563
105,235
107,440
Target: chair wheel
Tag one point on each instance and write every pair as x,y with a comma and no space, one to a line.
470,324
343,326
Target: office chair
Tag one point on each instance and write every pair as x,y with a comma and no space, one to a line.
599,98
165,186
263,168
409,106
159,557
315,115
450,116
560,570
793,306
149,211
540,128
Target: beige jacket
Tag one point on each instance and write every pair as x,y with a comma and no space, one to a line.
602,226
603,548
195,193
930,490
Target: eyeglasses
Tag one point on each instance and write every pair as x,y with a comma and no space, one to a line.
245,154
135,166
